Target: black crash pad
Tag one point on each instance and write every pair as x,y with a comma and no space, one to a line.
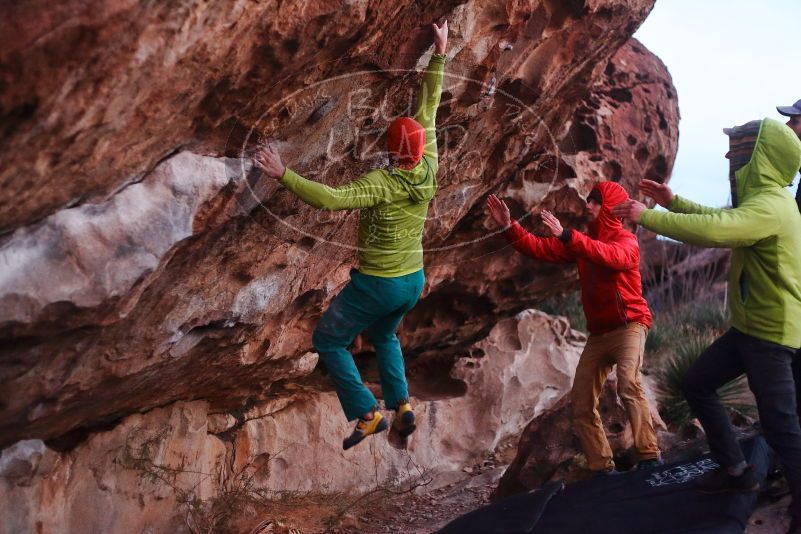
636,502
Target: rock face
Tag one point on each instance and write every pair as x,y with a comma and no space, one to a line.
152,278
611,142
150,267
150,468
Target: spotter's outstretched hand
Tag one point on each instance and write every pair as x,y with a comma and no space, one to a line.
630,209
552,223
661,193
498,211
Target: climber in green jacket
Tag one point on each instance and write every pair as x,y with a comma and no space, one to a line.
393,206
763,230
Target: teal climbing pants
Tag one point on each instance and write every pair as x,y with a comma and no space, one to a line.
375,305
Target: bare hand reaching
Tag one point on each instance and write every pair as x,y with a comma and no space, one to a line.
552,223
661,193
498,211
268,160
440,37
630,209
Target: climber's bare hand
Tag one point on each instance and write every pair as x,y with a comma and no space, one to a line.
440,37
268,160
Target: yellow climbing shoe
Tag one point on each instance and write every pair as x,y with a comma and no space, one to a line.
365,427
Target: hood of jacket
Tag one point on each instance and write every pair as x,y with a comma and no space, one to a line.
607,224
774,162
420,182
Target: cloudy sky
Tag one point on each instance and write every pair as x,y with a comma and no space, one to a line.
732,61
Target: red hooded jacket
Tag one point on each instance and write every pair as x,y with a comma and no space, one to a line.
608,262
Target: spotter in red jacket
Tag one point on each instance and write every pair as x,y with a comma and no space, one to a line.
608,262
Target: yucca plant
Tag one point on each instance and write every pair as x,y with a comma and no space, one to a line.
673,406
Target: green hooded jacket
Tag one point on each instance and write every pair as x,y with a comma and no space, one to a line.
393,202
764,231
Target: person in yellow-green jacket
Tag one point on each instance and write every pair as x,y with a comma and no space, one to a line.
763,229
394,206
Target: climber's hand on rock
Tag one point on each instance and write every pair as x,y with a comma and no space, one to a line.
661,193
630,209
268,160
552,223
440,37
498,211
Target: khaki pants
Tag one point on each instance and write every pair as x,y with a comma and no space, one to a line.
622,347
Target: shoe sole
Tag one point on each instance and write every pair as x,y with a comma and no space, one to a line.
382,425
409,426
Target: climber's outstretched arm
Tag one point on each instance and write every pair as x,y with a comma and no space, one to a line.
431,89
369,190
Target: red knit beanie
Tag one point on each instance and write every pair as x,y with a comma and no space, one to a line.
406,139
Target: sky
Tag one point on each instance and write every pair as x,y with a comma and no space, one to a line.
732,61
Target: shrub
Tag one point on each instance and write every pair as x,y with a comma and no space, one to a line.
702,317
673,406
